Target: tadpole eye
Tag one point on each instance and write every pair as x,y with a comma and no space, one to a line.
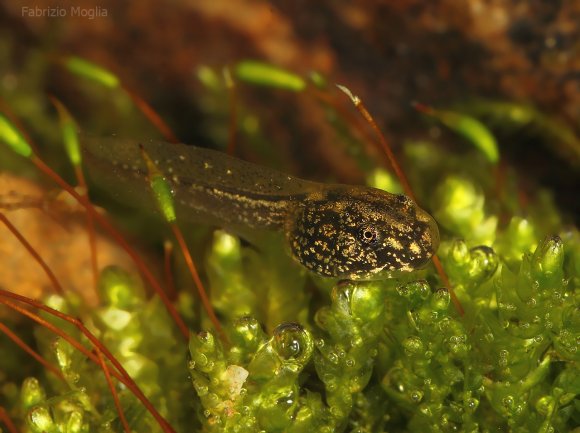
368,235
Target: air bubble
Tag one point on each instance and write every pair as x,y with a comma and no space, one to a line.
545,405
293,342
332,357
416,396
440,300
484,263
336,412
413,345
471,404
508,402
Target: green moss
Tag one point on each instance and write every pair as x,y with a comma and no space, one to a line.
312,355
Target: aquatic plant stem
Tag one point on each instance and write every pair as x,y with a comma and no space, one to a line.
113,392
169,280
446,282
404,182
7,421
70,139
120,373
382,140
56,284
200,287
151,115
233,115
120,240
20,343
90,230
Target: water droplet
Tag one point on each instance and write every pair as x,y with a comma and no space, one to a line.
440,300
484,263
416,396
356,341
544,405
471,404
292,342
320,343
206,413
350,362
285,401
335,411
202,360
403,291
332,357
413,345
508,402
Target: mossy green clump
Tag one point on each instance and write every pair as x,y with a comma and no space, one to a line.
305,354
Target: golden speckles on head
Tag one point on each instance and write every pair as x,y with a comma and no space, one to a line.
350,232
414,247
394,243
181,157
207,165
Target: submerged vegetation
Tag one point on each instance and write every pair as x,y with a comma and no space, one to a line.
301,353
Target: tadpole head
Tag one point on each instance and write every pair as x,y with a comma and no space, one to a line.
359,232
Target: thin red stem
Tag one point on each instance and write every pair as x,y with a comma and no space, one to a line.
233,127
404,182
446,282
169,280
200,287
90,230
113,392
386,148
152,116
20,343
33,253
120,240
5,418
120,373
